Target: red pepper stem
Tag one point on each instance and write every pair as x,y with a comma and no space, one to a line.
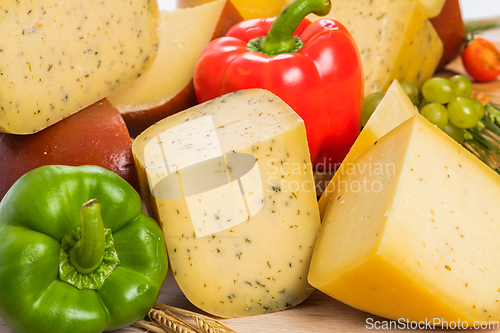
86,255
279,38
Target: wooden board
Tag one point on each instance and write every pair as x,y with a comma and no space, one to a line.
319,313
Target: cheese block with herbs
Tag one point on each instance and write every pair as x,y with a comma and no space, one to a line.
231,183
430,8
413,231
395,108
168,87
395,40
57,57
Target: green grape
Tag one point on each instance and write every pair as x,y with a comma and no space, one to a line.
479,107
438,90
423,103
462,85
455,132
411,90
436,114
462,112
370,104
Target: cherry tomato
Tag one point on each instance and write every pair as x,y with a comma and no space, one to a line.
481,60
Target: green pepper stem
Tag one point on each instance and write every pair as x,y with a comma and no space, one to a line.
279,38
86,255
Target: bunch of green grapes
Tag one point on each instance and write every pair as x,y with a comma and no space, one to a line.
444,102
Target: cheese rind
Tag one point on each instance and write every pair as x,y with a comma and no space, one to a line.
59,57
243,164
395,108
395,40
421,239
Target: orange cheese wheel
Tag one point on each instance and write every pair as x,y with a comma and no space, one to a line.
96,135
450,28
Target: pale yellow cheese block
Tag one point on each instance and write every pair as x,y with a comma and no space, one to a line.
395,108
430,8
183,34
231,183
57,57
414,232
394,38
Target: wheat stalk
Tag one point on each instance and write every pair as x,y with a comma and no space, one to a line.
164,320
149,326
206,324
171,323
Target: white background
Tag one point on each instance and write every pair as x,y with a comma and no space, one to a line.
476,9
167,4
471,9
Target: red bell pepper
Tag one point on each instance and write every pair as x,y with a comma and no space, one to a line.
314,67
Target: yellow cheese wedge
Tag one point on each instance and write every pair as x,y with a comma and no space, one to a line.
431,8
57,57
413,231
183,34
395,40
395,108
231,183
252,9
249,9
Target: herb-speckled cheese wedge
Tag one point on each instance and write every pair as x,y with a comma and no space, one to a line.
57,57
395,40
420,239
231,183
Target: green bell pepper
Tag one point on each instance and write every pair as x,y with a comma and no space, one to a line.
67,266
